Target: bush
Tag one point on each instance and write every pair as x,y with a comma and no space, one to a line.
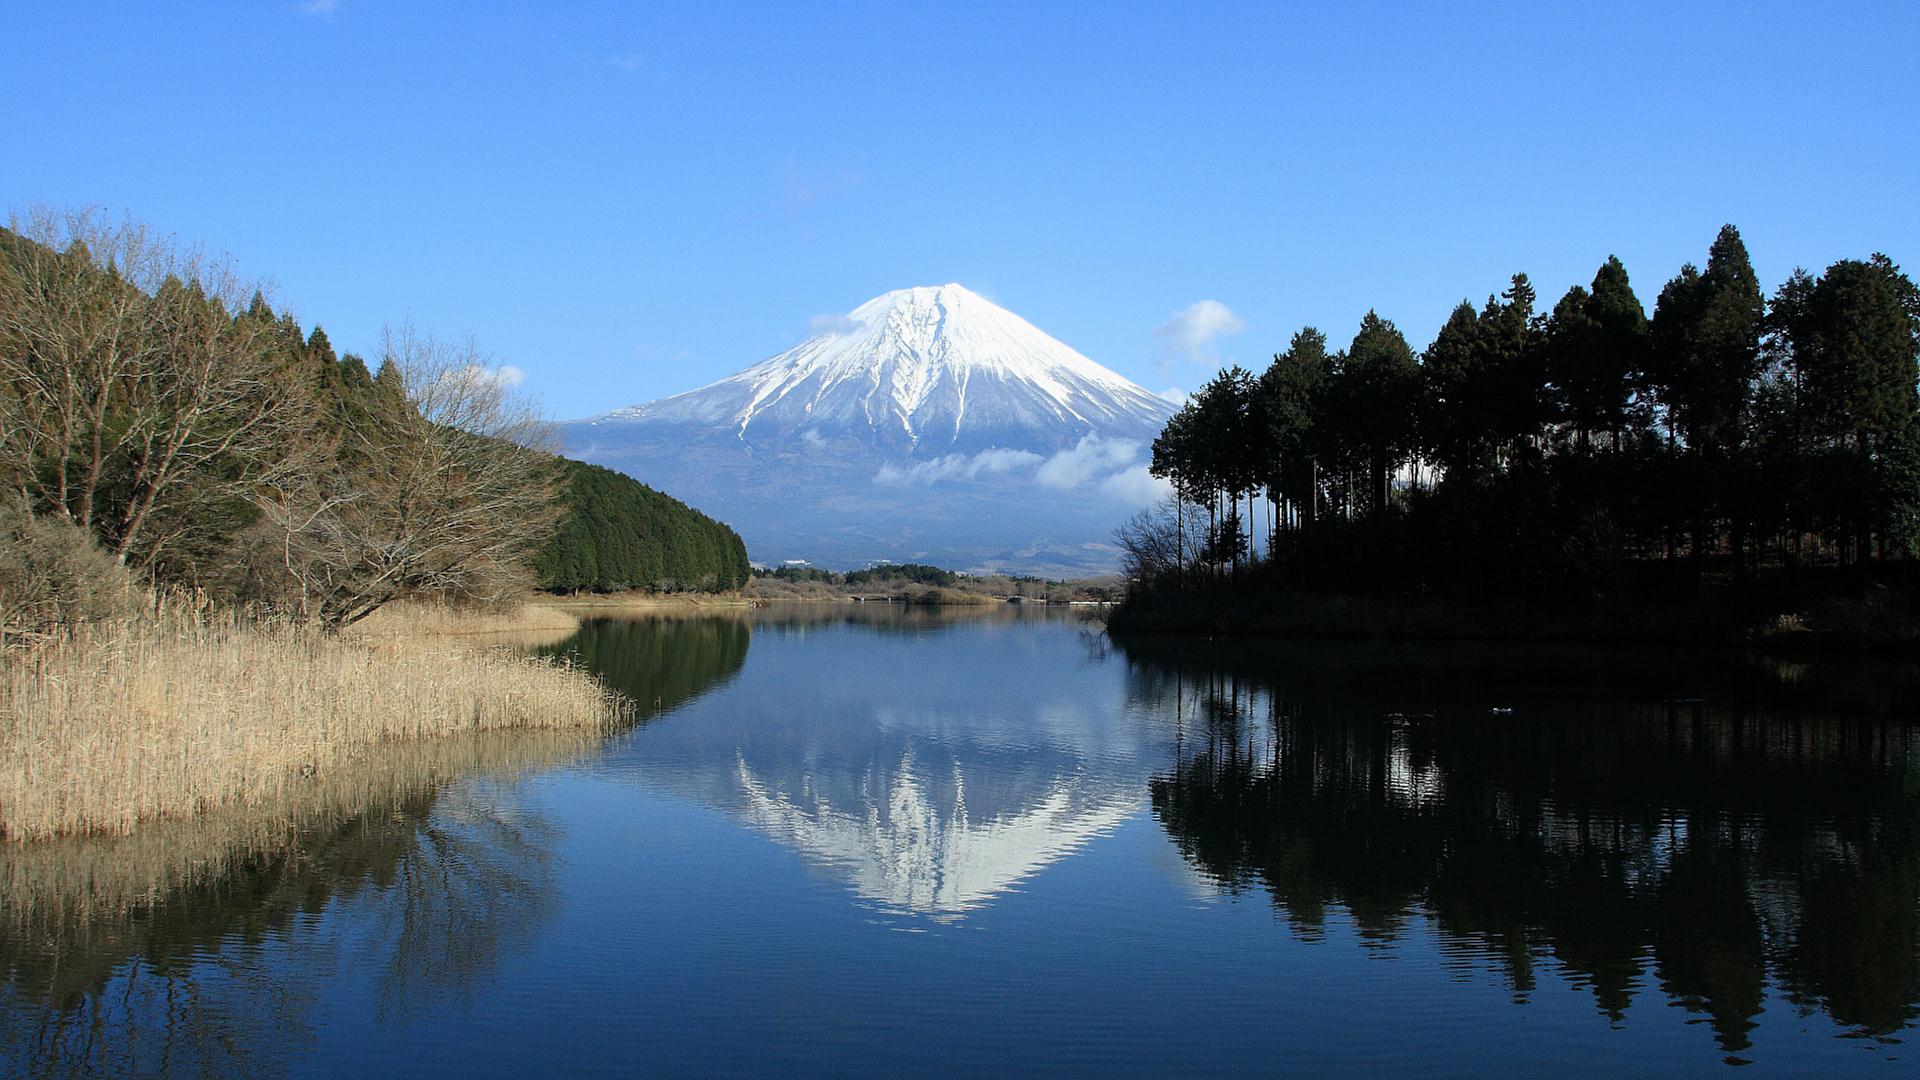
53,576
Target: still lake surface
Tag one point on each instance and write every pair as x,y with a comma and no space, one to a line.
872,840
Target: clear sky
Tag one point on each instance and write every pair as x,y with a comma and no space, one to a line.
628,200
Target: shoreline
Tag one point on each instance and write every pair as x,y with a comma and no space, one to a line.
638,600
1700,622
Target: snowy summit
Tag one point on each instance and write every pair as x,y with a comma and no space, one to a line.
926,370
926,425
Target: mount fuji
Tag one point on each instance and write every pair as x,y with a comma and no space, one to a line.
927,425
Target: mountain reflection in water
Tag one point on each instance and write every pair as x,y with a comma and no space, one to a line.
1710,848
928,789
874,839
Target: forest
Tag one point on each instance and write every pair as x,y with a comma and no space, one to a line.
159,418
619,534
203,508
1578,454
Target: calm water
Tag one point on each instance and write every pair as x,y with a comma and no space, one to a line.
878,842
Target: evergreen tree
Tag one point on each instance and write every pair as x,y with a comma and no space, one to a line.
1453,420
1706,340
1373,394
1620,324
618,534
1574,365
1856,338
1290,394
1515,370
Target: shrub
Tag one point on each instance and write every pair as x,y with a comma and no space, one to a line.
52,575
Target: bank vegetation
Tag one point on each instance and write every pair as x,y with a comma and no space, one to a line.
918,583
1735,466
230,559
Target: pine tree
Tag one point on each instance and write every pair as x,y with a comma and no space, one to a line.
1453,420
1706,350
1858,338
1374,392
1620,323
1290,391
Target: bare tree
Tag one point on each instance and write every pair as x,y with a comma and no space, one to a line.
128,393
443,487
1151,541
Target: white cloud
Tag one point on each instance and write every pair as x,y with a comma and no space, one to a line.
1112,468
1135,487
958,467
1091,457
323,8
1192,330
1175,395
812,437
835,325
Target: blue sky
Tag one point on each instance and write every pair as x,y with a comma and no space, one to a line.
625,201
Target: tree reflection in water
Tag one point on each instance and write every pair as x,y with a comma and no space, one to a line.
167,952
1717,844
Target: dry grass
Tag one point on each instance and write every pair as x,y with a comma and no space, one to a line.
640,600
403,619
183,711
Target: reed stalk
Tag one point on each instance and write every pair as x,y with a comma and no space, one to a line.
186,709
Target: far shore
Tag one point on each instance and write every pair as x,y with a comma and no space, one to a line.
639,600
1732,621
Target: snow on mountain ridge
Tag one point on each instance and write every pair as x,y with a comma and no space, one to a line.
926,425
924,364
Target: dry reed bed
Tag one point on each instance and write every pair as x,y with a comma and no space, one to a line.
537,621
184,711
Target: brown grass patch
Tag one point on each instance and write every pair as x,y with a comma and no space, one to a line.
640,600
171,715
440,619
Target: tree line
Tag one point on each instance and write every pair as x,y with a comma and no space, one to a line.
155,406
1526,449
883,575
620,534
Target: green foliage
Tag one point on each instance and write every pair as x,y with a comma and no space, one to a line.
618,534
1572,453
1370,406
1847,349
898,573
800,574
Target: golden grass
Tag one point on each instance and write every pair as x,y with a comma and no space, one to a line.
402,619
183,711
640,600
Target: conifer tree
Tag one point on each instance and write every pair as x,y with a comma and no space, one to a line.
1374,392
1290,391
1453,420
1620,323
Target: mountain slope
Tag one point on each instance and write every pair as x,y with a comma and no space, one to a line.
924,371
926,424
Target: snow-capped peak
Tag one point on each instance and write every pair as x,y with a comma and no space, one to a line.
921,369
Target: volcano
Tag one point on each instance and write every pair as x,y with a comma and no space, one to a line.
927,425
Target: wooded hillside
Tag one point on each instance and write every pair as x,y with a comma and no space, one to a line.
617,534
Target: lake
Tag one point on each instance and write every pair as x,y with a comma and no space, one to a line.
868,840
